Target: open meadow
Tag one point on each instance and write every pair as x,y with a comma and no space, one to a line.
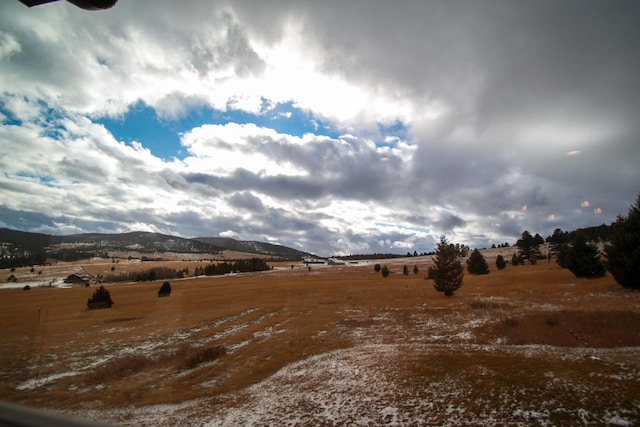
333,345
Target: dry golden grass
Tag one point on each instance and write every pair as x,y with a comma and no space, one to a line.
215,337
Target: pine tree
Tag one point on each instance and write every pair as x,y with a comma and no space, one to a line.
583,259
101,298
385,271
165,290
556,241
476,264
623,250
515,259
529,246
447,272
405,270
500,262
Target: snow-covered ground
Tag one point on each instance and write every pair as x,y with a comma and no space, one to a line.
356,387
403,364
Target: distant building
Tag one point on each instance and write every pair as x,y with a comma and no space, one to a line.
80,279
313,261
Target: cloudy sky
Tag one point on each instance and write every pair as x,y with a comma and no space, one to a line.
332,127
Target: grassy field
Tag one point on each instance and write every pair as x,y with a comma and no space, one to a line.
333,345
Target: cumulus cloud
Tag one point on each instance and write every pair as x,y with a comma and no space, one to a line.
446,118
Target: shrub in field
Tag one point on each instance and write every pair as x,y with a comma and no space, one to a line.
476,264
405,270
118,368
500,262
517,259
385,271
623,250
165,290
100,299
377,268
192,357
447,272
415,269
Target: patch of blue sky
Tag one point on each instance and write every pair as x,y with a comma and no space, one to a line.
8,117
48,119
161,135
391,133
46,180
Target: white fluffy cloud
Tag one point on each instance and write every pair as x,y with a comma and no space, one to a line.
452,116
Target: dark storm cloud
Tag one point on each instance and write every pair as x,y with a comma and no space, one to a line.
248,201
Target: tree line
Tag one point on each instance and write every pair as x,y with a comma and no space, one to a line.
576,251
240,266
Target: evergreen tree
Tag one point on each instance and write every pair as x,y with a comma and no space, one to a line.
558,239
476,264
377,268
385,271
415,269
447,272
583,259
515,259
623,250
405,270
529,246
165,289
500,262
100,296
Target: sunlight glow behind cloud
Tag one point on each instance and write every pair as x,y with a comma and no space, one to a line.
331,132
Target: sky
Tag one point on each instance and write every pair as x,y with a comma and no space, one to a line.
333,127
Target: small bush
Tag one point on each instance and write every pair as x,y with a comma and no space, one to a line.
119,368
385,271
101,298
517,259
165,290
405,270
500,262
192,357
377,268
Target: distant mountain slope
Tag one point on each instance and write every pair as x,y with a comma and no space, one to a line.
28,241
19,248
255,247
140,241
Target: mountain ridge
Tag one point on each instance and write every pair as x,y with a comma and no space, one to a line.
27,248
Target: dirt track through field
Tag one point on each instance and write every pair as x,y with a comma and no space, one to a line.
334,345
